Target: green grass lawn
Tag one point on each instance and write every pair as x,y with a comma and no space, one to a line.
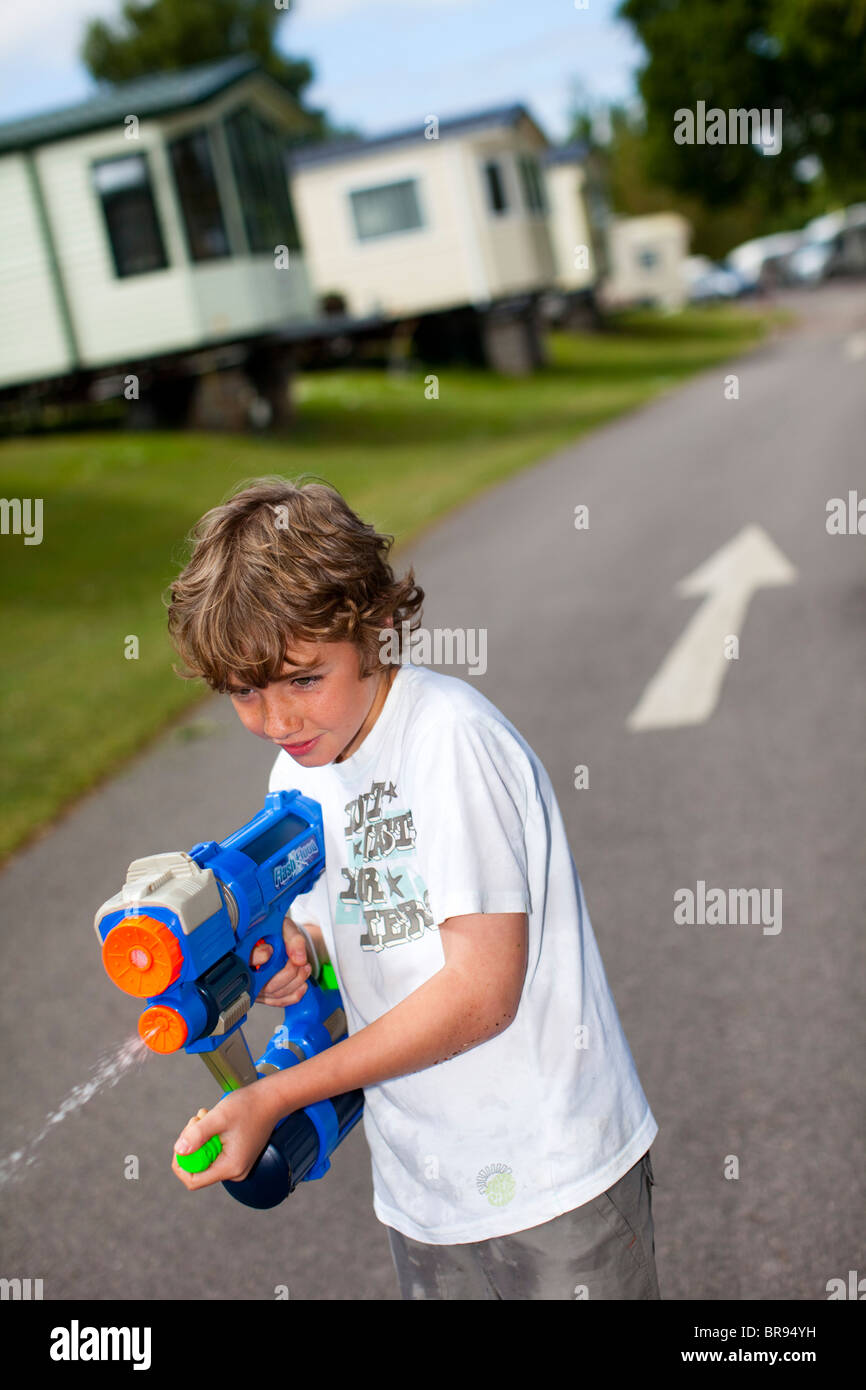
117,507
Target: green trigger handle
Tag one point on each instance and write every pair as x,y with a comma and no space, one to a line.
202,1158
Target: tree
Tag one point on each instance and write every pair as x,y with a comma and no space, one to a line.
617,138
823,46
805,58
166,35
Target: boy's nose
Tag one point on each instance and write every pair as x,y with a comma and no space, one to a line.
281,733
280,724
282,738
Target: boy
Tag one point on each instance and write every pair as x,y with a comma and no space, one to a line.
508,1130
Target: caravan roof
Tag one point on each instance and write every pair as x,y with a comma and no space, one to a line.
146,96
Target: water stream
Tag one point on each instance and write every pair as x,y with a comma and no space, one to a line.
107,1071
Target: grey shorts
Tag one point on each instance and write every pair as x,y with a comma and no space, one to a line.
604,1249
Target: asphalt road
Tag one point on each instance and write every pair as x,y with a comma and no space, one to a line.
748,1042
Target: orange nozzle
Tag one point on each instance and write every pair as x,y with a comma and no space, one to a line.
162,1029
142,956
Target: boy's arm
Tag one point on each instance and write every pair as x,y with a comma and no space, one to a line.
473,997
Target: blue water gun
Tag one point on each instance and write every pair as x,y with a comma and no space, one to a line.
180,934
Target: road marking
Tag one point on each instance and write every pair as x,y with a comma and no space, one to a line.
686,687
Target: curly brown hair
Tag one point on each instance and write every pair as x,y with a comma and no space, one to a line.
280,562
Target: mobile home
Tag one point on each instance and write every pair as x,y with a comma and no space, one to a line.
647,260
437,218
152,220
579,224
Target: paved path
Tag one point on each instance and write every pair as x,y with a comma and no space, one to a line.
748,1042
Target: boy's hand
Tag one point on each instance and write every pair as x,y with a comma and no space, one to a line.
243,1120
289,984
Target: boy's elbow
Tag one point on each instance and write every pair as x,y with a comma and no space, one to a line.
500,1024
488,953
503,1015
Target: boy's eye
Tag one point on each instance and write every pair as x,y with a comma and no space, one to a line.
303,682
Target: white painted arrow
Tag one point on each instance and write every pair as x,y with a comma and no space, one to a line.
686,687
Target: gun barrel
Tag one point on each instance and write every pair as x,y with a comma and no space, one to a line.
163,1029
142,956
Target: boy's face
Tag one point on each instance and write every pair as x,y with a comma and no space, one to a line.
319,710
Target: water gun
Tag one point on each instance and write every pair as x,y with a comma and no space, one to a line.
180,934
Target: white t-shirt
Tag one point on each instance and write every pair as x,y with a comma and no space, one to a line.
445,810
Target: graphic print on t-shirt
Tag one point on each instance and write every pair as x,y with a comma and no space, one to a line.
385,894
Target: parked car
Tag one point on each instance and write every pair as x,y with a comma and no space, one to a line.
764,262
708,280
834,244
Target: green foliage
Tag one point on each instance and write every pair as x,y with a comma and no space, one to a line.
622,164
822,44
806,58
167,35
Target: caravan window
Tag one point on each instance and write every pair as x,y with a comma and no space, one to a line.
257,154
393,207
533,187
199,198
124,188
495,188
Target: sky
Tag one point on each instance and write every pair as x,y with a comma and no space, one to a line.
379,64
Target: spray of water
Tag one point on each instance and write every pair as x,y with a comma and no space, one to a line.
107,1071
